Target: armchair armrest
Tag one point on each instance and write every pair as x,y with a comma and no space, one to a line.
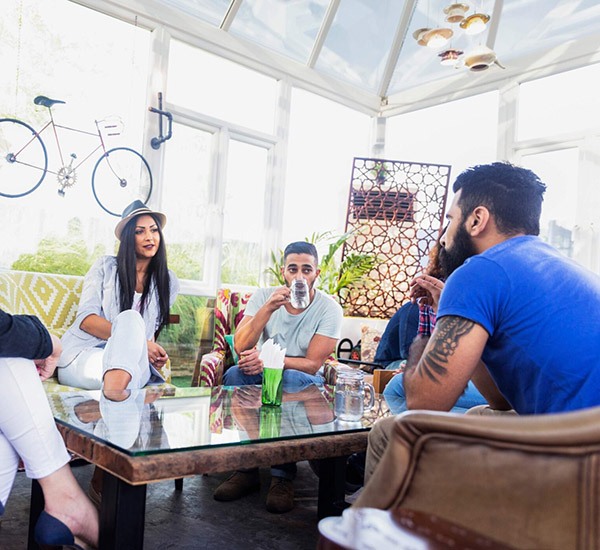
528,481
209,370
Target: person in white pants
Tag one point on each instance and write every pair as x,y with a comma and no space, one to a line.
125,301
28,431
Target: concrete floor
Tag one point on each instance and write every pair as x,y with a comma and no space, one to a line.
192,519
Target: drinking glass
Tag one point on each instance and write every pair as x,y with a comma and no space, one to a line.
299,296
272,386
270,422
350,395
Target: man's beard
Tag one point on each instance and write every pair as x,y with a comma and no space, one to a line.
462,249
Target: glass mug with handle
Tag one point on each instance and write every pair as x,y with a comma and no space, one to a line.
299,294
350,395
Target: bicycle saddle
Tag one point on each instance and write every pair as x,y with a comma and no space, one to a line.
46,101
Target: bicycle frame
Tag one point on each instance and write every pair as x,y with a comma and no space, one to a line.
119,175
55,126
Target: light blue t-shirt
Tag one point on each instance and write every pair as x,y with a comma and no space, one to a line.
323,316
542,312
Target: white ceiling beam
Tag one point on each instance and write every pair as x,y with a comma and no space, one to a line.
401,30
323,32
495,23
230,14
151,14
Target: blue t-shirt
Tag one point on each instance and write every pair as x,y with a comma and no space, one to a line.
542,312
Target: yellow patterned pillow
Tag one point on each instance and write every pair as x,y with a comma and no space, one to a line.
52,298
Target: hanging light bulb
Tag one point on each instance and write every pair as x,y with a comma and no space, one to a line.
475,23
450,56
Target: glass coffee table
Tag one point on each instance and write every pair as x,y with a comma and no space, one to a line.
151,435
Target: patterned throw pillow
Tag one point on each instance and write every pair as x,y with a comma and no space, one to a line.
370,338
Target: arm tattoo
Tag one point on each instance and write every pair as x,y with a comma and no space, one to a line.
444,341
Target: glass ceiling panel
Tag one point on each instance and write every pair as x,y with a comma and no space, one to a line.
419,65
288,27
357,46
529,25
211,11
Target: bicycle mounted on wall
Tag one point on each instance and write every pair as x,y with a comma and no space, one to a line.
120,175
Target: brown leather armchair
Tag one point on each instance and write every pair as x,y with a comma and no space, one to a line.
530,481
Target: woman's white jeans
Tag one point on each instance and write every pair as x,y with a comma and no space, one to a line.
126,349
27,427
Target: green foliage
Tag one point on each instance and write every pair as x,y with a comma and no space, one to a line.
240,263
182,259
336,279
192,315
66,255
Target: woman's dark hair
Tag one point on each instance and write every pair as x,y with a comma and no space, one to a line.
158,272
512,194
434,268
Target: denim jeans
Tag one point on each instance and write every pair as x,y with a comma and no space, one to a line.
396,398
293,381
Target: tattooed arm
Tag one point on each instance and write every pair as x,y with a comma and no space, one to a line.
450,359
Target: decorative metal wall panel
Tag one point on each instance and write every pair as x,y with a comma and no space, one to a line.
396,210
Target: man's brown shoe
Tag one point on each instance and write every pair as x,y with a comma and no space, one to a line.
237,486
280,498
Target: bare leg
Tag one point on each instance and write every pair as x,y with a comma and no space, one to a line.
116,379
66,501
27,424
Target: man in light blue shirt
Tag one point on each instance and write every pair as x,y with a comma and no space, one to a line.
309,335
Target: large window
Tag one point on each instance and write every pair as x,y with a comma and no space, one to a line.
220,156
559,140
185,199
217,87
244,219
44,53
324,139
559,104
461,133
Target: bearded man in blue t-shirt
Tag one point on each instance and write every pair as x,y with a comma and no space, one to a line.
510,317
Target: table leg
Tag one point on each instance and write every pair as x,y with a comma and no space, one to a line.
122,514
35,509
332,480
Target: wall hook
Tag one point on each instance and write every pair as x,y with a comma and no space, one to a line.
156,141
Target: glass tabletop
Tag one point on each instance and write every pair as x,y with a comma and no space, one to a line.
153,420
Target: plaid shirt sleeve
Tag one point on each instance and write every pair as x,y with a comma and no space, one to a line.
426,320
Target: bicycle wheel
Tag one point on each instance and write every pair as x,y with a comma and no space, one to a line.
121,176
23,158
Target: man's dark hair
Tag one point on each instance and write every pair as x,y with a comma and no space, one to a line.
512,194
301,247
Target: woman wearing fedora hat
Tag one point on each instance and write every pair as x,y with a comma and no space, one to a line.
125,301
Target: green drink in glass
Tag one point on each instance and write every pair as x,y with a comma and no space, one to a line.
270,422
272,386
